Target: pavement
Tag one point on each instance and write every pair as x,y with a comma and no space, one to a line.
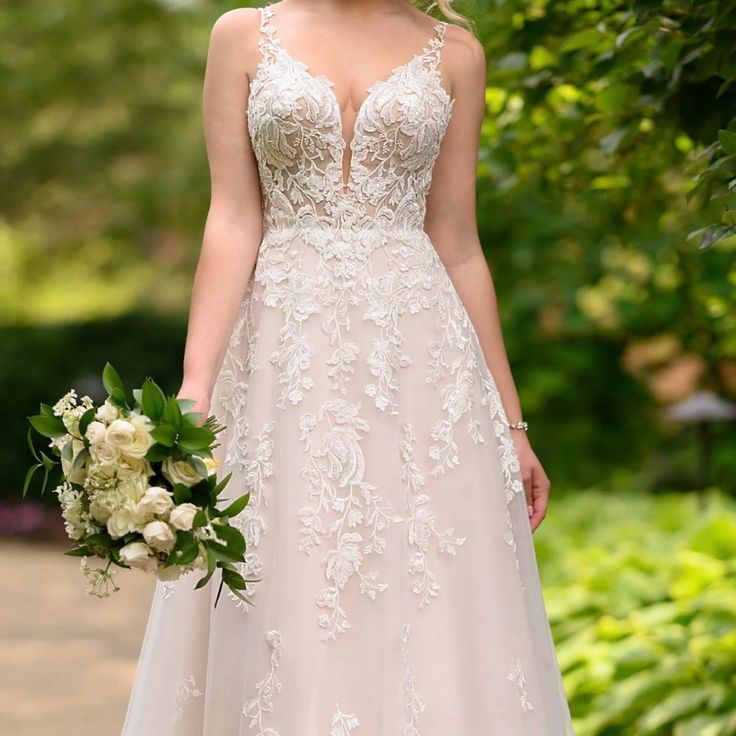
68,659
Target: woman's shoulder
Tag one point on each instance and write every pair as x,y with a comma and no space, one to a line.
236,23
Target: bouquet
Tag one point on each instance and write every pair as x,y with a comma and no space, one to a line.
139,487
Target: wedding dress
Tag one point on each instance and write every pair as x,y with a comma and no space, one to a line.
399,591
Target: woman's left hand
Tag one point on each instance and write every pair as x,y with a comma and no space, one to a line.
536,482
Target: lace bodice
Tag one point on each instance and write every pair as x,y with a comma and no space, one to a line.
296,129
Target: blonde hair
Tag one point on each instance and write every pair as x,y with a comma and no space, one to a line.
445,7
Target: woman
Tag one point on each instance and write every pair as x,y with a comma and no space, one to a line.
344,327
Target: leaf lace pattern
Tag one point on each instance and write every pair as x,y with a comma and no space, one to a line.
186,689
335,472
260,706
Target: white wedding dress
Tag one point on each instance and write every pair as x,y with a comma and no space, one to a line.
400,594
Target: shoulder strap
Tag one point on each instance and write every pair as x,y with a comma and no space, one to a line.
268,42
433,51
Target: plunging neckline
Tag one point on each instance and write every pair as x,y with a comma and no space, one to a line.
273,36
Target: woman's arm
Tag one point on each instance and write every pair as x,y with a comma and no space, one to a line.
452,225
233,228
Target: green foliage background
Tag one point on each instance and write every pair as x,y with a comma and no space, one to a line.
609,138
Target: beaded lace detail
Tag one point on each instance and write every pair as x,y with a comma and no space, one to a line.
296,129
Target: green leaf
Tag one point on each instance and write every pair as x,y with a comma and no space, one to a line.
236,506
47,410
99,540
153,401
164,434
29,475
79,460
172,413
199,465
182,493
29,439
158,452
79,552
211,565
221,485
195,438
192,418
233,579
67,451
112,382
727,139
232,537
200,519
86,419
48,426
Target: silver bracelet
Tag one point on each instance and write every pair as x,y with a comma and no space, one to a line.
519,425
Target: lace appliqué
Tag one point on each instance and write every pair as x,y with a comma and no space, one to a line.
261,705
343,723
335,472
186,689
251,521
517,675
421,522
413,702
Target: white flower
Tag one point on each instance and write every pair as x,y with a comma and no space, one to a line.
78,474
141,441
180,471
125,520
133,466
159,535
104,453
107,412
157,500
95,432
139,556
133,487
100,510
182,516
120,432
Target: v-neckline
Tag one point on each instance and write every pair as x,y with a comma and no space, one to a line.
436,40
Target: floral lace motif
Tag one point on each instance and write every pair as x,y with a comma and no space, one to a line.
517,675
343,723
334,470
413,702
186,689
261,705
421,522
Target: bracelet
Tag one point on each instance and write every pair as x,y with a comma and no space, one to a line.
519,425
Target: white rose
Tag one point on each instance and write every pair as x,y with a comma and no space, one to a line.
173,572
182,516
95,432
100,511
159,535
120,432
139,556
107,412
121,523
139,516
157,500
180,471
104,454
133,487
133,466
141,441
78,474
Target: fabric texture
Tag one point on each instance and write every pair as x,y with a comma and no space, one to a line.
399,593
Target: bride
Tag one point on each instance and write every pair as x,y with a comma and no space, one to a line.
344,327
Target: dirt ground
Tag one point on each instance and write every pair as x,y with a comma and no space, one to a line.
68,659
